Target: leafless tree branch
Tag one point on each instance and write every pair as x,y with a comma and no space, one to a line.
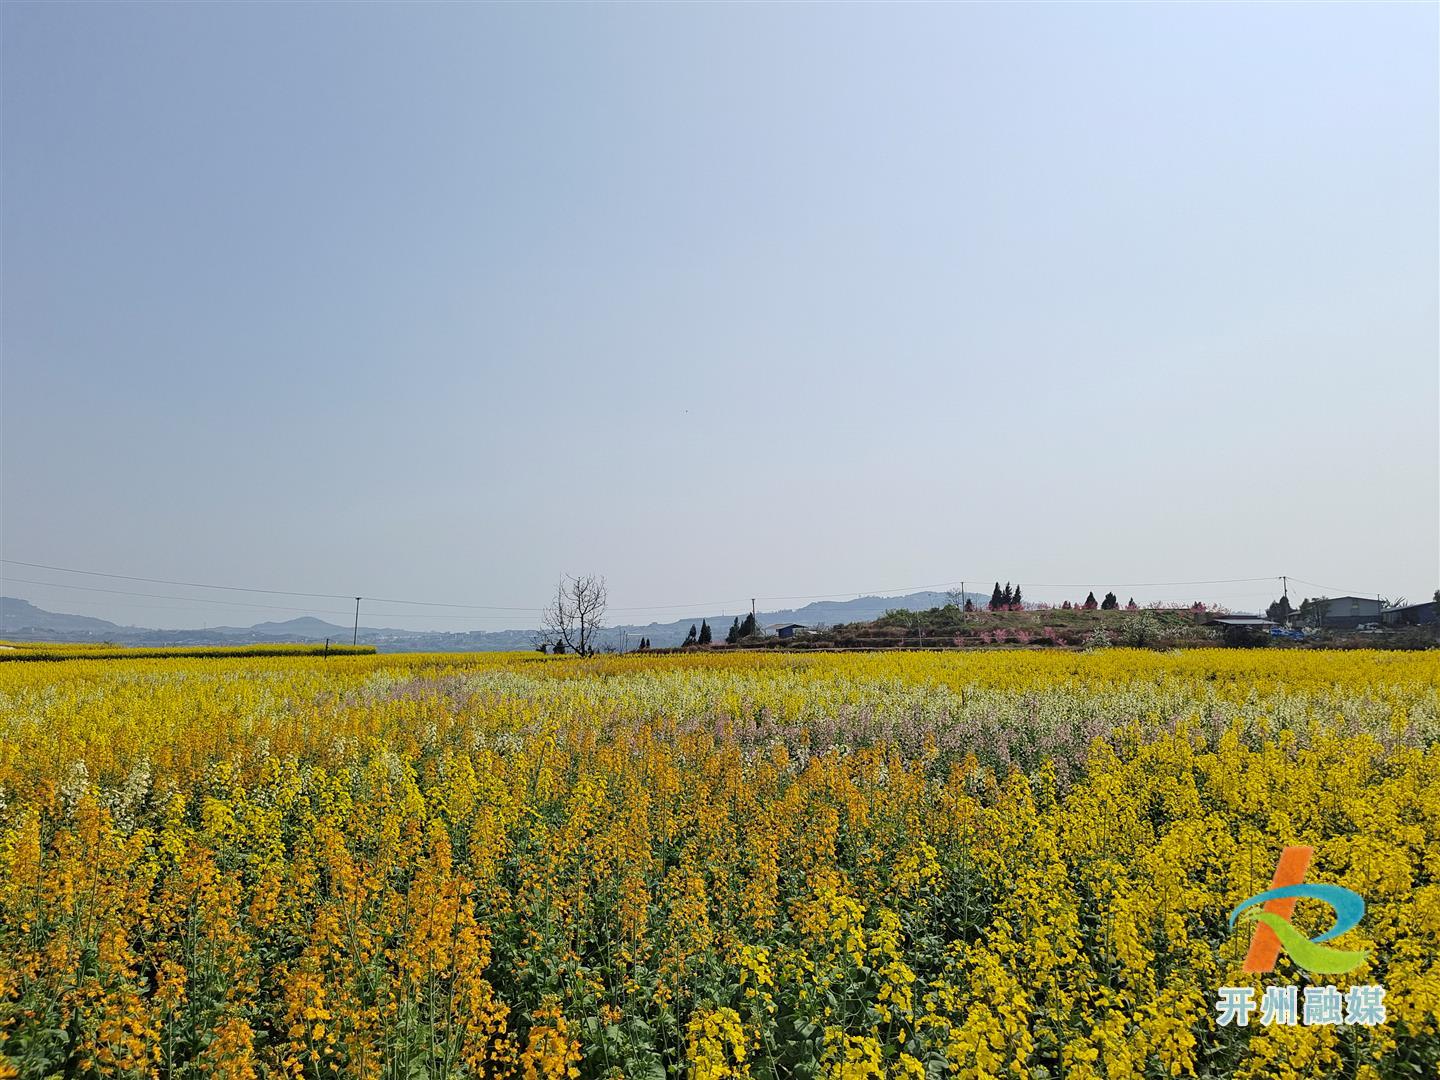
577,613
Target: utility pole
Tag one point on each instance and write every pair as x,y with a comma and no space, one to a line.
355,637
1285,594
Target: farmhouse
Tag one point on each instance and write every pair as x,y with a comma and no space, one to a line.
1241,629
1412,614
1339,612
788,629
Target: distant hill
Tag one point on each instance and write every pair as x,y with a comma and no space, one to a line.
306,625
21,619
18,616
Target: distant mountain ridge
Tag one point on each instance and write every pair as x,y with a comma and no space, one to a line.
18,614
22,619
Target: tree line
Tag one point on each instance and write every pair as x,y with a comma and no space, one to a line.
573,620
1010,598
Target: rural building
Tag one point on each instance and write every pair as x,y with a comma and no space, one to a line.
1242,629
1339,612
1413,614
787,629
1249,622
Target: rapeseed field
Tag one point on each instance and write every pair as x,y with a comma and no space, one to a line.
985,864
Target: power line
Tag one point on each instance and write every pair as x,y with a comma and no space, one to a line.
649,608
167,581
1029,585
429,603
208,601
1367,593
248,589
101,605
880,593
205,600
1142,584
162,596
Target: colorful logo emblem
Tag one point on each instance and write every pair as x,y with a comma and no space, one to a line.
1273,929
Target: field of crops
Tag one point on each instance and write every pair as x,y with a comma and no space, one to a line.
985,864
13,651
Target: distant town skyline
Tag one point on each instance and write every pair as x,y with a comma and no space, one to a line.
439,302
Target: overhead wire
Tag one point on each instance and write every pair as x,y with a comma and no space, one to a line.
457,606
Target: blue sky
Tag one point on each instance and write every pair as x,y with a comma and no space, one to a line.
437,302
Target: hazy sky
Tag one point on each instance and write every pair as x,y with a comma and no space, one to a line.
436,302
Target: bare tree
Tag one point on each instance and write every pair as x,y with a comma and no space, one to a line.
577,613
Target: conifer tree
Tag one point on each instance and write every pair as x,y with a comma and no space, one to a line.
1110,603
1090,604
692,637
1280,610
1015,600
996,598
705,636
733,634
